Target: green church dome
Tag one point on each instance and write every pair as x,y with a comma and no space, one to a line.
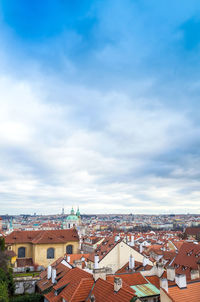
72,217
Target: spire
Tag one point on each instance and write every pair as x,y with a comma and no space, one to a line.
11,224
72,211
78,213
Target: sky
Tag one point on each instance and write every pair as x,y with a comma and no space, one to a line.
99,106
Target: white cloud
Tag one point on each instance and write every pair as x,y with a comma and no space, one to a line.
51,153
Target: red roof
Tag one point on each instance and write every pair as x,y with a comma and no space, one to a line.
130,279
61,270
73,275
78,290
187,258
104,291
192,231
189,294
39,237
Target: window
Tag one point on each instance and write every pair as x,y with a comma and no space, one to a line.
69,249
50,253
21,252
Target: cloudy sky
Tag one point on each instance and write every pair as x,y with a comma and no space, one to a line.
99,106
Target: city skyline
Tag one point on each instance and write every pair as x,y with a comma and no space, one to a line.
99,106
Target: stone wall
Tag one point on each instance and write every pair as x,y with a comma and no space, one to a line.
25,285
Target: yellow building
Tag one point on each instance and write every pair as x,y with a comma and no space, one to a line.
42,247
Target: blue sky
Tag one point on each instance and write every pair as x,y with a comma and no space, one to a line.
99,106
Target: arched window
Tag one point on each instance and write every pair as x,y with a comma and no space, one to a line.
50,253
69,249
21,252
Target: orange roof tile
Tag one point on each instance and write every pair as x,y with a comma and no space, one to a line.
77,291
191,293
130,279
38,237
104,291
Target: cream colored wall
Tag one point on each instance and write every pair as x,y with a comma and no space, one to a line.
164,297
38,252
28,247
119,256
60,250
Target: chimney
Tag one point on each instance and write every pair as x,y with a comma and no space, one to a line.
99,273
181,281
92,298
160,270
78,263
117,237
96,261
194,274
145,261
132,243
53,276
49,272
170,273
131,262
141,248
68,259
117,284
164,284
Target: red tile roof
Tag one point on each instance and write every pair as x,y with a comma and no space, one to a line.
130,279
39,237
189,294
78,290
193,231
187,258
74,257
104,291
105,247
73,275
61,270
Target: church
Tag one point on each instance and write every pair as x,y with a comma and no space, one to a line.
73,220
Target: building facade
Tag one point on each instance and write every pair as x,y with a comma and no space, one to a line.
42,247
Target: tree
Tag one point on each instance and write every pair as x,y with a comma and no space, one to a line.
3,261
2,244
3,276
11,283
3,292
7,278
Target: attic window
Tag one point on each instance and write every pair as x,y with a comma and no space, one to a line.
14,237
